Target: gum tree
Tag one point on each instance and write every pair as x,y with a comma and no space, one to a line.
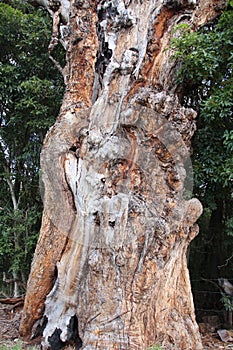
110,269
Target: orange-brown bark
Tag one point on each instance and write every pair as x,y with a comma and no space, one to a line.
49,250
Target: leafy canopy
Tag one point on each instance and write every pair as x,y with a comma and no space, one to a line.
206,64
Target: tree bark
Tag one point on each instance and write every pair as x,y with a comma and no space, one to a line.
110,269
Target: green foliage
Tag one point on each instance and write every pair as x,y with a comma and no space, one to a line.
230,3
206,64
206,74
18,238
155,347
227,302
229,226
16,345
31,89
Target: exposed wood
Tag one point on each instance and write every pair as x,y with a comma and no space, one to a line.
110,269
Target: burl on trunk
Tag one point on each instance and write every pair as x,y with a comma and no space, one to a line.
110,270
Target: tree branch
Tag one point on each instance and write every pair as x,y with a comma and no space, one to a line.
57,64
6,168
226,263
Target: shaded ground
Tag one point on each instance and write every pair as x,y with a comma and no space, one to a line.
9,323
9,329
211,341
10,339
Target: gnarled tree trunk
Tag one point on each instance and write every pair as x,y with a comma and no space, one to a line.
110,271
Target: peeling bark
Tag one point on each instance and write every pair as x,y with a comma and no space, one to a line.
110,269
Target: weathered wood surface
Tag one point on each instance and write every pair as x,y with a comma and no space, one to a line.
110,270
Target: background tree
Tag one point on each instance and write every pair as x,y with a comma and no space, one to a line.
30,94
